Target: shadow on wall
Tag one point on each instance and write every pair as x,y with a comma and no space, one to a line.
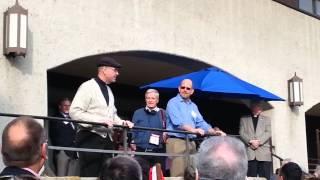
25,64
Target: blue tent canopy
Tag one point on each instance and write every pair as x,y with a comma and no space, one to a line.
216,81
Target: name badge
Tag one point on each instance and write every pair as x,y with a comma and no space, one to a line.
154,139
193,114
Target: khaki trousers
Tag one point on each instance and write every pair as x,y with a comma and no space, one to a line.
178,164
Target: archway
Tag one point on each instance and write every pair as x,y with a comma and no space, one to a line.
139,68
313,135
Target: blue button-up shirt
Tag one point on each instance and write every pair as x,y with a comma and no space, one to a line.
181,112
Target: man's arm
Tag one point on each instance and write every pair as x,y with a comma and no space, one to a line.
203,125
193,130
177,117
80,105
200,122
118,121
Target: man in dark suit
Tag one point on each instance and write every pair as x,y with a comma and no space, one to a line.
24,153
63,134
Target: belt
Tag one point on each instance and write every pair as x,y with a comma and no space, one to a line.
149,149
182,138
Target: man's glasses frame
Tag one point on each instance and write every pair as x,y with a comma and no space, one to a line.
184,87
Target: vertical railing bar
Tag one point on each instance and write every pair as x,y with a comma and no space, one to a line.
125,139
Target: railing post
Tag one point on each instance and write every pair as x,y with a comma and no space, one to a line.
271,152
187,149
46,127
125,140
318,143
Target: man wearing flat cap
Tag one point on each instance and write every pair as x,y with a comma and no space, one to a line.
94,102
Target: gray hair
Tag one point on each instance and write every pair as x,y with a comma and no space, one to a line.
222,158
153,91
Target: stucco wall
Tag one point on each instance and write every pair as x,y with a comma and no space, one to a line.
262,42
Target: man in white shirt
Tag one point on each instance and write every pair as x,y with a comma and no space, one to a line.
94,102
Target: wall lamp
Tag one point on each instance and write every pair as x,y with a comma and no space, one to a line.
15,31
295,91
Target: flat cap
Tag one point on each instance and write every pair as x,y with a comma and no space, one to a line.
107,61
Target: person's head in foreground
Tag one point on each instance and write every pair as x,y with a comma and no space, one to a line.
24,144
222,157
121,168
290,171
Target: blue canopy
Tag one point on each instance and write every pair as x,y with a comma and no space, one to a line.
217,81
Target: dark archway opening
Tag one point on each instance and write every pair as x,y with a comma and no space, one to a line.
312,133
139,68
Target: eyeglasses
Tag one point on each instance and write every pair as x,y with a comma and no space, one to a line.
114,69
187,88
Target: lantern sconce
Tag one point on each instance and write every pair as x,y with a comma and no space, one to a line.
15,31
295,91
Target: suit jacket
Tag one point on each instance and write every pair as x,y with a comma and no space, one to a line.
63,134
262,133
90,105
15,171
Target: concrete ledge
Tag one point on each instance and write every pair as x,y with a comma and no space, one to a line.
94,178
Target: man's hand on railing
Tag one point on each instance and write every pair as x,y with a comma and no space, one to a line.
128,123
133,147
109,123
220,133
189,128
165,137
216,132
199,131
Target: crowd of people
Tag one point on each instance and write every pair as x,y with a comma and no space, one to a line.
218,156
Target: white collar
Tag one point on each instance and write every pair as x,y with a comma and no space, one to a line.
154,109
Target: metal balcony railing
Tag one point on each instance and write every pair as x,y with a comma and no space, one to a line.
125,131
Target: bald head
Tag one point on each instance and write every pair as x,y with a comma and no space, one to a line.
16,139
187,82
186,89
22,139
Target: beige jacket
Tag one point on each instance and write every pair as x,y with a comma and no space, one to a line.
262,133
90,105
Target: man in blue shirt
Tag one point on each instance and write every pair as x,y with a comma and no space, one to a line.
183,114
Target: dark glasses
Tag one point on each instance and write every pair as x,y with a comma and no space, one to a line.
183,87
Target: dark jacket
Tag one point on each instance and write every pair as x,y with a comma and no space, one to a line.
62,134
15,171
